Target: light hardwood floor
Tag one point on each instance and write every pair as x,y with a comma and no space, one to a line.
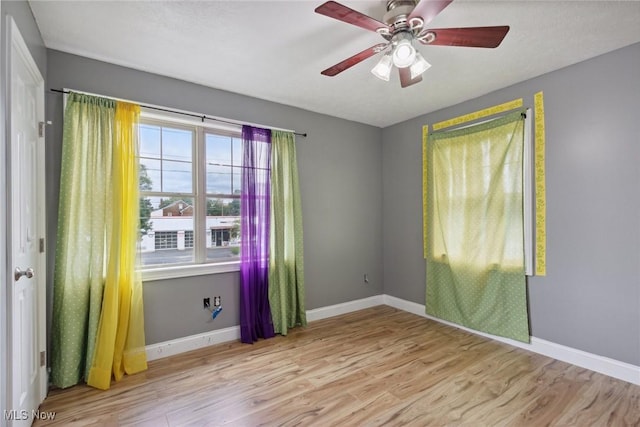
378,366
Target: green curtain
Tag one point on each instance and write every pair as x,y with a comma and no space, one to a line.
475,248
97,323
85,195
286,266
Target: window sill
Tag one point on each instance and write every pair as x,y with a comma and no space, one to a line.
174,272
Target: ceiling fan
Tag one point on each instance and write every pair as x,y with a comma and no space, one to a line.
404,22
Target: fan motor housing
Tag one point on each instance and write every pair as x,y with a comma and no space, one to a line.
397,13
392,4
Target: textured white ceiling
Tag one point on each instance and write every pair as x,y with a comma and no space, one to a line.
275,50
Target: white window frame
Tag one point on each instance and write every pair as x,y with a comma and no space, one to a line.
200,265
529,191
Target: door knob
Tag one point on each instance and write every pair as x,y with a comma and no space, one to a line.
17,273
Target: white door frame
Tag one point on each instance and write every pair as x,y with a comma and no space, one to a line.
14,40
3,232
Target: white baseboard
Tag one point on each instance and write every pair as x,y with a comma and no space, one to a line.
604,365
344,308
192,342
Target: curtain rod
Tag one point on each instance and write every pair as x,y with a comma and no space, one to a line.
202,117
471,123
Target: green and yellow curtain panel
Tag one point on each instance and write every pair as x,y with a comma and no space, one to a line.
286,259
474,227
97,323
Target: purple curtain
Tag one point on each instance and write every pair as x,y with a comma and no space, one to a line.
255,314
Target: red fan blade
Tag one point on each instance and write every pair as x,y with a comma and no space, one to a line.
350,16
469,37
405,77
428,9
355,59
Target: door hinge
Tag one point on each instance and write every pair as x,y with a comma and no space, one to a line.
43,358
41,126
42,245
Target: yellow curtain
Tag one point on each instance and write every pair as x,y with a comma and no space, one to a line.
120,339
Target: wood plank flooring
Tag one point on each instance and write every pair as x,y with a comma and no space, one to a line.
378,366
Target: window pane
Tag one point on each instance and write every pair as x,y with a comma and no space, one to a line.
219,179
166,231
237,152
218,149
237,181
222,234
177,144
176,177
146,207
166,159
149,173
149,141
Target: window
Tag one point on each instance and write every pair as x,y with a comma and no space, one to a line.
166,240
223,187
470,173
189,194
188,239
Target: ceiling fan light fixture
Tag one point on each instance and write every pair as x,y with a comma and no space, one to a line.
405,22
382,70
419,66
404,53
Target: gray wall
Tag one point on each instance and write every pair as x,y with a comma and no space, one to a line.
590,298
340,182
25,22
21,13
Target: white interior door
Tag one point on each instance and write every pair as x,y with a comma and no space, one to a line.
26,294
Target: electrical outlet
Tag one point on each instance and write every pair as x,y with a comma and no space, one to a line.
217,301
206,302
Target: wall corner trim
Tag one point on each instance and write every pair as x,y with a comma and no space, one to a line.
604,365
